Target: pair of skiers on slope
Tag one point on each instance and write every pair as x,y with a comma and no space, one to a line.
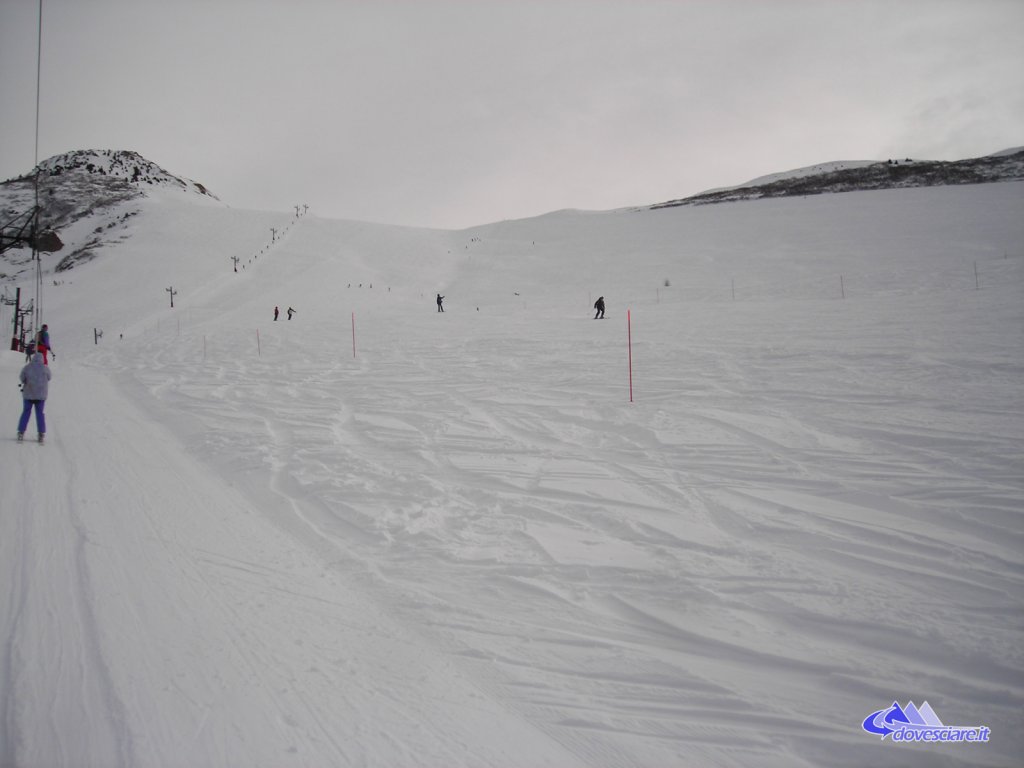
41,343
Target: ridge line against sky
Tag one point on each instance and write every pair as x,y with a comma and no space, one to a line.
457,113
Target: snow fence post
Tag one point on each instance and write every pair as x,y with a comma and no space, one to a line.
629,338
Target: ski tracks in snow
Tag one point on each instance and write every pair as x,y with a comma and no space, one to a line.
156,617
690,579
59,703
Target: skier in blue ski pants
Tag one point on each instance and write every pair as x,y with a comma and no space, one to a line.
35,383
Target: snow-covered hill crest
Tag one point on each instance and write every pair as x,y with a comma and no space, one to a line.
849,176
86,198
118,164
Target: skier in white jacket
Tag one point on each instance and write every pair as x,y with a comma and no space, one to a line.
35,385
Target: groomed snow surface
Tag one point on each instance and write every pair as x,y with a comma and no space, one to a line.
462,545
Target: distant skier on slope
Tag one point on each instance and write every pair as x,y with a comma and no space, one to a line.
35,383
599,306
290,313
276,313
440,298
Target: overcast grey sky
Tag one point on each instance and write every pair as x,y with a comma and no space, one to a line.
450,113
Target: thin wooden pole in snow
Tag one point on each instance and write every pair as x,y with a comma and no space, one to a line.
259,352
353,334
629,337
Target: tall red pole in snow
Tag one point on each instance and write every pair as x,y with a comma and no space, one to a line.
629,336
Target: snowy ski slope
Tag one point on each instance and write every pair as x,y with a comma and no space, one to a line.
380,535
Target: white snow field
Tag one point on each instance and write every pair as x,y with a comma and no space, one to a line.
463,545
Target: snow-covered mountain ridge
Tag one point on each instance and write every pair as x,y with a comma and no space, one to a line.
98,187
88,196
848,176
122,165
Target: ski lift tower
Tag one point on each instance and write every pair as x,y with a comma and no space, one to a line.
20,313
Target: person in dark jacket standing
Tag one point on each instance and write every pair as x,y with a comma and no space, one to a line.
440,298
35,384
599,306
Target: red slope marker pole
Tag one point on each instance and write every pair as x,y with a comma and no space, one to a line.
629,336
